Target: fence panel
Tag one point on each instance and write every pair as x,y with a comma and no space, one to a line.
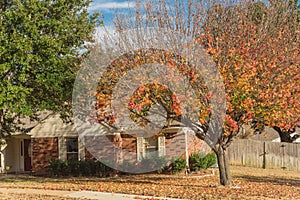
262,154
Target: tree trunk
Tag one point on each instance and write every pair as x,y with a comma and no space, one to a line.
225,177
285,135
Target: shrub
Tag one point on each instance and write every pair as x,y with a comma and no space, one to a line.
72,167
78,168
210,159
195,161
104,170
201,161
178,165
57,167
128,165
86,168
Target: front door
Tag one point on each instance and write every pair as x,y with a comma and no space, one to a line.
27,155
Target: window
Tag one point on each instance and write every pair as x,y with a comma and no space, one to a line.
72,148
149,147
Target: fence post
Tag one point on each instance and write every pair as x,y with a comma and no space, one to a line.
264,156
282,146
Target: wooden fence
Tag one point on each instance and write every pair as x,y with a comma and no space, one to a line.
262,154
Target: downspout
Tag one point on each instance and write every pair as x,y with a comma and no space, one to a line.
186,150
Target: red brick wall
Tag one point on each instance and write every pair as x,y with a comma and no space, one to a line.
43,150
175,145
129,147
88,155
196,145
98,148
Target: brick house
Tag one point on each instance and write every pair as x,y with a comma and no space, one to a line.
54,139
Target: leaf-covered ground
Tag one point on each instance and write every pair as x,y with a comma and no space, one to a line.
252,183
28,196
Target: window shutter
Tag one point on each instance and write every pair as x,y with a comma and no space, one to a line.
140,148
161,146
81,149
62,150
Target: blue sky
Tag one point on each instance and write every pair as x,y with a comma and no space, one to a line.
108,7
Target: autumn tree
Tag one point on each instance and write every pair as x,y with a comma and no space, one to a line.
258,58
290,91
254,47
193,105
286,17
282,109
42,45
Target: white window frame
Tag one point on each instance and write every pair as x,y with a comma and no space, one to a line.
62,148
72,152
141,147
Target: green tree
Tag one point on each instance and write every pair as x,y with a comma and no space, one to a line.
41,46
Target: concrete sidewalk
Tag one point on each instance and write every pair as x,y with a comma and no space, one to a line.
80,194
111,196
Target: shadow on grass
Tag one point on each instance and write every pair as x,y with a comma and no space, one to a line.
159,179
271,180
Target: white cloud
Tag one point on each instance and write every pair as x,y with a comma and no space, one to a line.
108,5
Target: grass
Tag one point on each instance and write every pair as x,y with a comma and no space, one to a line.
253,184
